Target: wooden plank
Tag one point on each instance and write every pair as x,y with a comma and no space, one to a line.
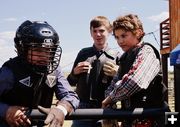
165,51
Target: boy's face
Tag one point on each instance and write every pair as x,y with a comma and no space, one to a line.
125,39
39,56
100,36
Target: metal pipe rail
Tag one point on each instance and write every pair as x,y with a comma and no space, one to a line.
105,113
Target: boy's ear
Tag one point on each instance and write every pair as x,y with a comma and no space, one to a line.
138,33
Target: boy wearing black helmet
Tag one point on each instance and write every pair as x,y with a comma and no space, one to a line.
31,78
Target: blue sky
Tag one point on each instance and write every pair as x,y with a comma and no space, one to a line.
71,18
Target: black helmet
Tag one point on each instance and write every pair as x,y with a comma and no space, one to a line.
38,44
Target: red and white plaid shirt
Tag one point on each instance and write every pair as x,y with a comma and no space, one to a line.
145,67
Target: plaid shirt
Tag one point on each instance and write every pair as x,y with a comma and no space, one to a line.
145,67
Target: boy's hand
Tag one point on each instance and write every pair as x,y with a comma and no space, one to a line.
15,116
110,68
55,117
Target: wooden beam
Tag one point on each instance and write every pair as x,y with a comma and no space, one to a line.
165,51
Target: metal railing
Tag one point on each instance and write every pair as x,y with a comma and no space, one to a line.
106,113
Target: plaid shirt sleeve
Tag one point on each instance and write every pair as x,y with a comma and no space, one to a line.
144,69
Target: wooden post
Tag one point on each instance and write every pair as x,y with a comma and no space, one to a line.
174,8
165,72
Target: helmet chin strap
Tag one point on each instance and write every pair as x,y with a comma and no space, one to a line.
43,69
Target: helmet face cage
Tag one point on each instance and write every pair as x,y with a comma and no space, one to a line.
38,44
43,58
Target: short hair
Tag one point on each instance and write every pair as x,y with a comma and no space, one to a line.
129,22
100,21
